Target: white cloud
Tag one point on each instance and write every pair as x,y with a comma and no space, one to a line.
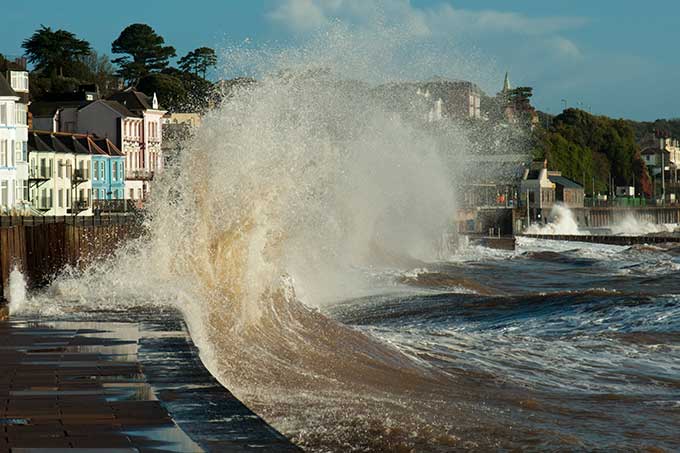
566,47
300,15
305,15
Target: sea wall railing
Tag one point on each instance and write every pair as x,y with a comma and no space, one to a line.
41,246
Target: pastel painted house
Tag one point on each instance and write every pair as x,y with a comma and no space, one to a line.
13,143
61,172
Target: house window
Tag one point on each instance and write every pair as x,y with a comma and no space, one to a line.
60,171
103,194
102,171
61,198
3,153
4,193
3,113
96,171
21,114
132,194
19,80
18,153
68,198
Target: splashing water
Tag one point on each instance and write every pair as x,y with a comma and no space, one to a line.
562,221
631,226
17,291
291,196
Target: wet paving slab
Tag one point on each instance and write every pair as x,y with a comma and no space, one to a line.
113,387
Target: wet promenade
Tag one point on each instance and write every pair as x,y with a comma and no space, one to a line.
117,387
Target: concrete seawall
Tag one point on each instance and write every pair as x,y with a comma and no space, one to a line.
125,387
603,239
41,246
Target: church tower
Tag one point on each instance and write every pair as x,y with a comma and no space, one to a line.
506,84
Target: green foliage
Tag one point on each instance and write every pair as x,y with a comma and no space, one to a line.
198,61
170,90
55,52
100,72
667,127
143,52
584,147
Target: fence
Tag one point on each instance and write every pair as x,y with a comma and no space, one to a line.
41,246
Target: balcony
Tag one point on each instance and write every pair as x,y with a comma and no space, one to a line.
139,175
44,204
79,206
103,206
80,175
42,173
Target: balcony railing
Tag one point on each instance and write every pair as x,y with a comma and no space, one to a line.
40,173
139,175
44,204
101,206
80,175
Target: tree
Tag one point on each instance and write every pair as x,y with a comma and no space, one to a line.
102,72
198,61
145,49
170,90
54,51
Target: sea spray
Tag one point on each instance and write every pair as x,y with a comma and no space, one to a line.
286,200
561,221
16,293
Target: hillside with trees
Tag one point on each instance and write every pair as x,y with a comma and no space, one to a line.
63,63
592,149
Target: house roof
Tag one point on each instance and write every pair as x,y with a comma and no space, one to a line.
60,142
6,88
135,101
654,150
50,108
108,147
115,105
564,182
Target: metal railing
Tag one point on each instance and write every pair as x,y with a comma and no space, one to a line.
117,206
41,172
10,221
80,175
139,175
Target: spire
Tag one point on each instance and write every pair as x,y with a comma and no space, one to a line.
506,84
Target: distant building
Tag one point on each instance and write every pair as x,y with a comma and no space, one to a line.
69,172
515,104
536,188
545,188
131,120
177,129
567,192
455,99
14,92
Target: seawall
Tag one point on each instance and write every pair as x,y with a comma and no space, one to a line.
607,239
41,246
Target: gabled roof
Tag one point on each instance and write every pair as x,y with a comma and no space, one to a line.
61,142
114,105
564,182
135,101
108,147
6,89
50,108
652,150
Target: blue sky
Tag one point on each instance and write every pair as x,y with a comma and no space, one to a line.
616,57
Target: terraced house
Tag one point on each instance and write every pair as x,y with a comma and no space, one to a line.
14,196
131,120
63,168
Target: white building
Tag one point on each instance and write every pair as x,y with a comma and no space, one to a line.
13,137
143,134
130,120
